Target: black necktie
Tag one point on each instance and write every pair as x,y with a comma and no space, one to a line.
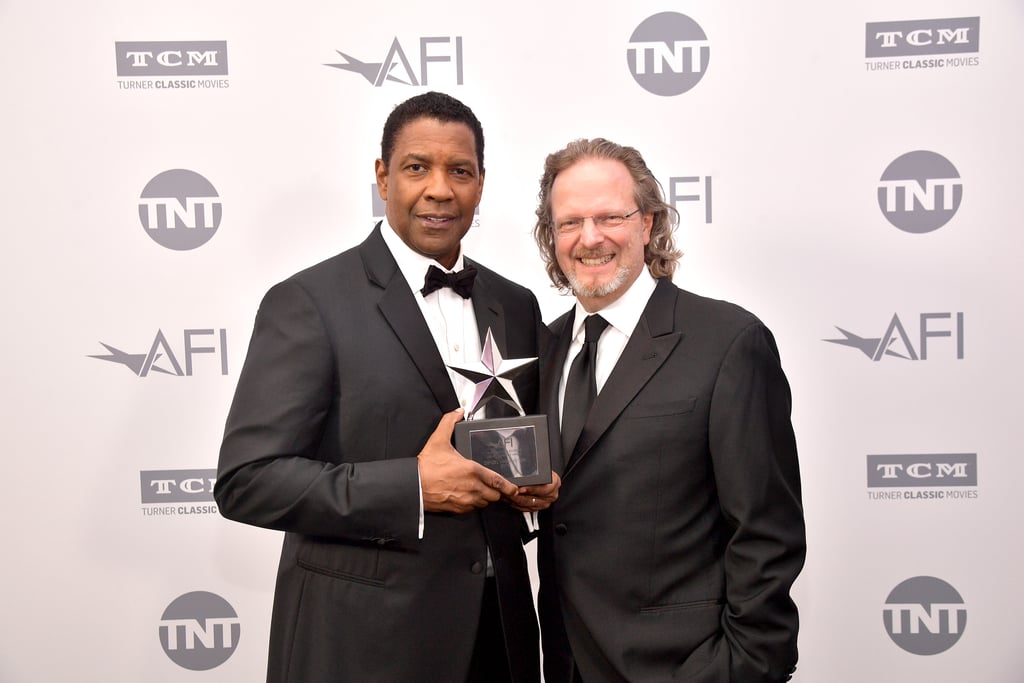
581,386
461,282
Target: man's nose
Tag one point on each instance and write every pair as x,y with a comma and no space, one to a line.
439,186
590,234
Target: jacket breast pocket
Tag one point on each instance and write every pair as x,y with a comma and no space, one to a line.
675,406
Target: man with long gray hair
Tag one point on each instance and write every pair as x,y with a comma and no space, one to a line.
679,529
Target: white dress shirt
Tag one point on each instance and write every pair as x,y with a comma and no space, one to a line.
622,315
451,318
452,322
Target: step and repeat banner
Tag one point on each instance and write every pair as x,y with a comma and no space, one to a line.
849,172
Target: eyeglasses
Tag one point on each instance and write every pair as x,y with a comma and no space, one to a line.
604,223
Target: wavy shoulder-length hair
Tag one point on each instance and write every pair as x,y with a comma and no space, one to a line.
660,254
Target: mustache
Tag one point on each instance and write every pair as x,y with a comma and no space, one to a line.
587,253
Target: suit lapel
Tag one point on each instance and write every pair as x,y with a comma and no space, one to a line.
551,379
403,314
490,315
648,348
489,312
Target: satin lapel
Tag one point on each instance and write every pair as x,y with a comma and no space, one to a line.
490,315
404,316
489,312
648,348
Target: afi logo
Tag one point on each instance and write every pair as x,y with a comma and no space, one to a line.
199,630
396,66
691,189
172,58
177,486
896,342
161,357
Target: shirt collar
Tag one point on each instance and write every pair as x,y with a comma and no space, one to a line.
412,264
624,313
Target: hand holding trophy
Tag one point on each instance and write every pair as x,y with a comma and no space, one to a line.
514,447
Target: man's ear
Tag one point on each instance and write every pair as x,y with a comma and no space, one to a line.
380,169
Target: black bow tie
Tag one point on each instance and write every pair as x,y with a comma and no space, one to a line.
461,282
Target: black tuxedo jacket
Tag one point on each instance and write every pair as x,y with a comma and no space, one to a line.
678,531
341,388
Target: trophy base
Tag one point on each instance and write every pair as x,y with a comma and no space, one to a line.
514,447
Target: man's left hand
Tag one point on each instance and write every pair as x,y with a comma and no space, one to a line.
538,497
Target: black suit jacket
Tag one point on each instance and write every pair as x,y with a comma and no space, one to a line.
678,531
341,388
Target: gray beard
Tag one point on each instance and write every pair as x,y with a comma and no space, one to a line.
601,290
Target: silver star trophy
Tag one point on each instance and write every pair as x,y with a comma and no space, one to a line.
514,447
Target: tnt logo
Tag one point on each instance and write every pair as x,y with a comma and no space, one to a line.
180,209
695,189
172,58
397,68
924,615
199,631
919,191
177,486
668,54
922,37
895,341
161,357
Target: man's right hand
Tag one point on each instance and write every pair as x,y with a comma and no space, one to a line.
452,483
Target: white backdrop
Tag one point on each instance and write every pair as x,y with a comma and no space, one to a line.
122,354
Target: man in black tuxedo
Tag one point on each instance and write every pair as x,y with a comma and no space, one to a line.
399,562
679,528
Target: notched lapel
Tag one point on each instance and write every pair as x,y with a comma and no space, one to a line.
489,312
403,314
647,350
550,379
490,315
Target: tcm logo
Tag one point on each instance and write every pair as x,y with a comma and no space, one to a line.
924,615
920,191
180,209
199,631
695,189
162,359
928,469
172,58
397,68
668,54
177,486
895,341
922,37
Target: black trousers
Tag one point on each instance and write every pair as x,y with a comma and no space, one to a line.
490,658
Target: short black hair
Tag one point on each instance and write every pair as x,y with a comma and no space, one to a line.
430,105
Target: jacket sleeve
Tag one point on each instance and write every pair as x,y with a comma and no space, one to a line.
272,470
758,479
